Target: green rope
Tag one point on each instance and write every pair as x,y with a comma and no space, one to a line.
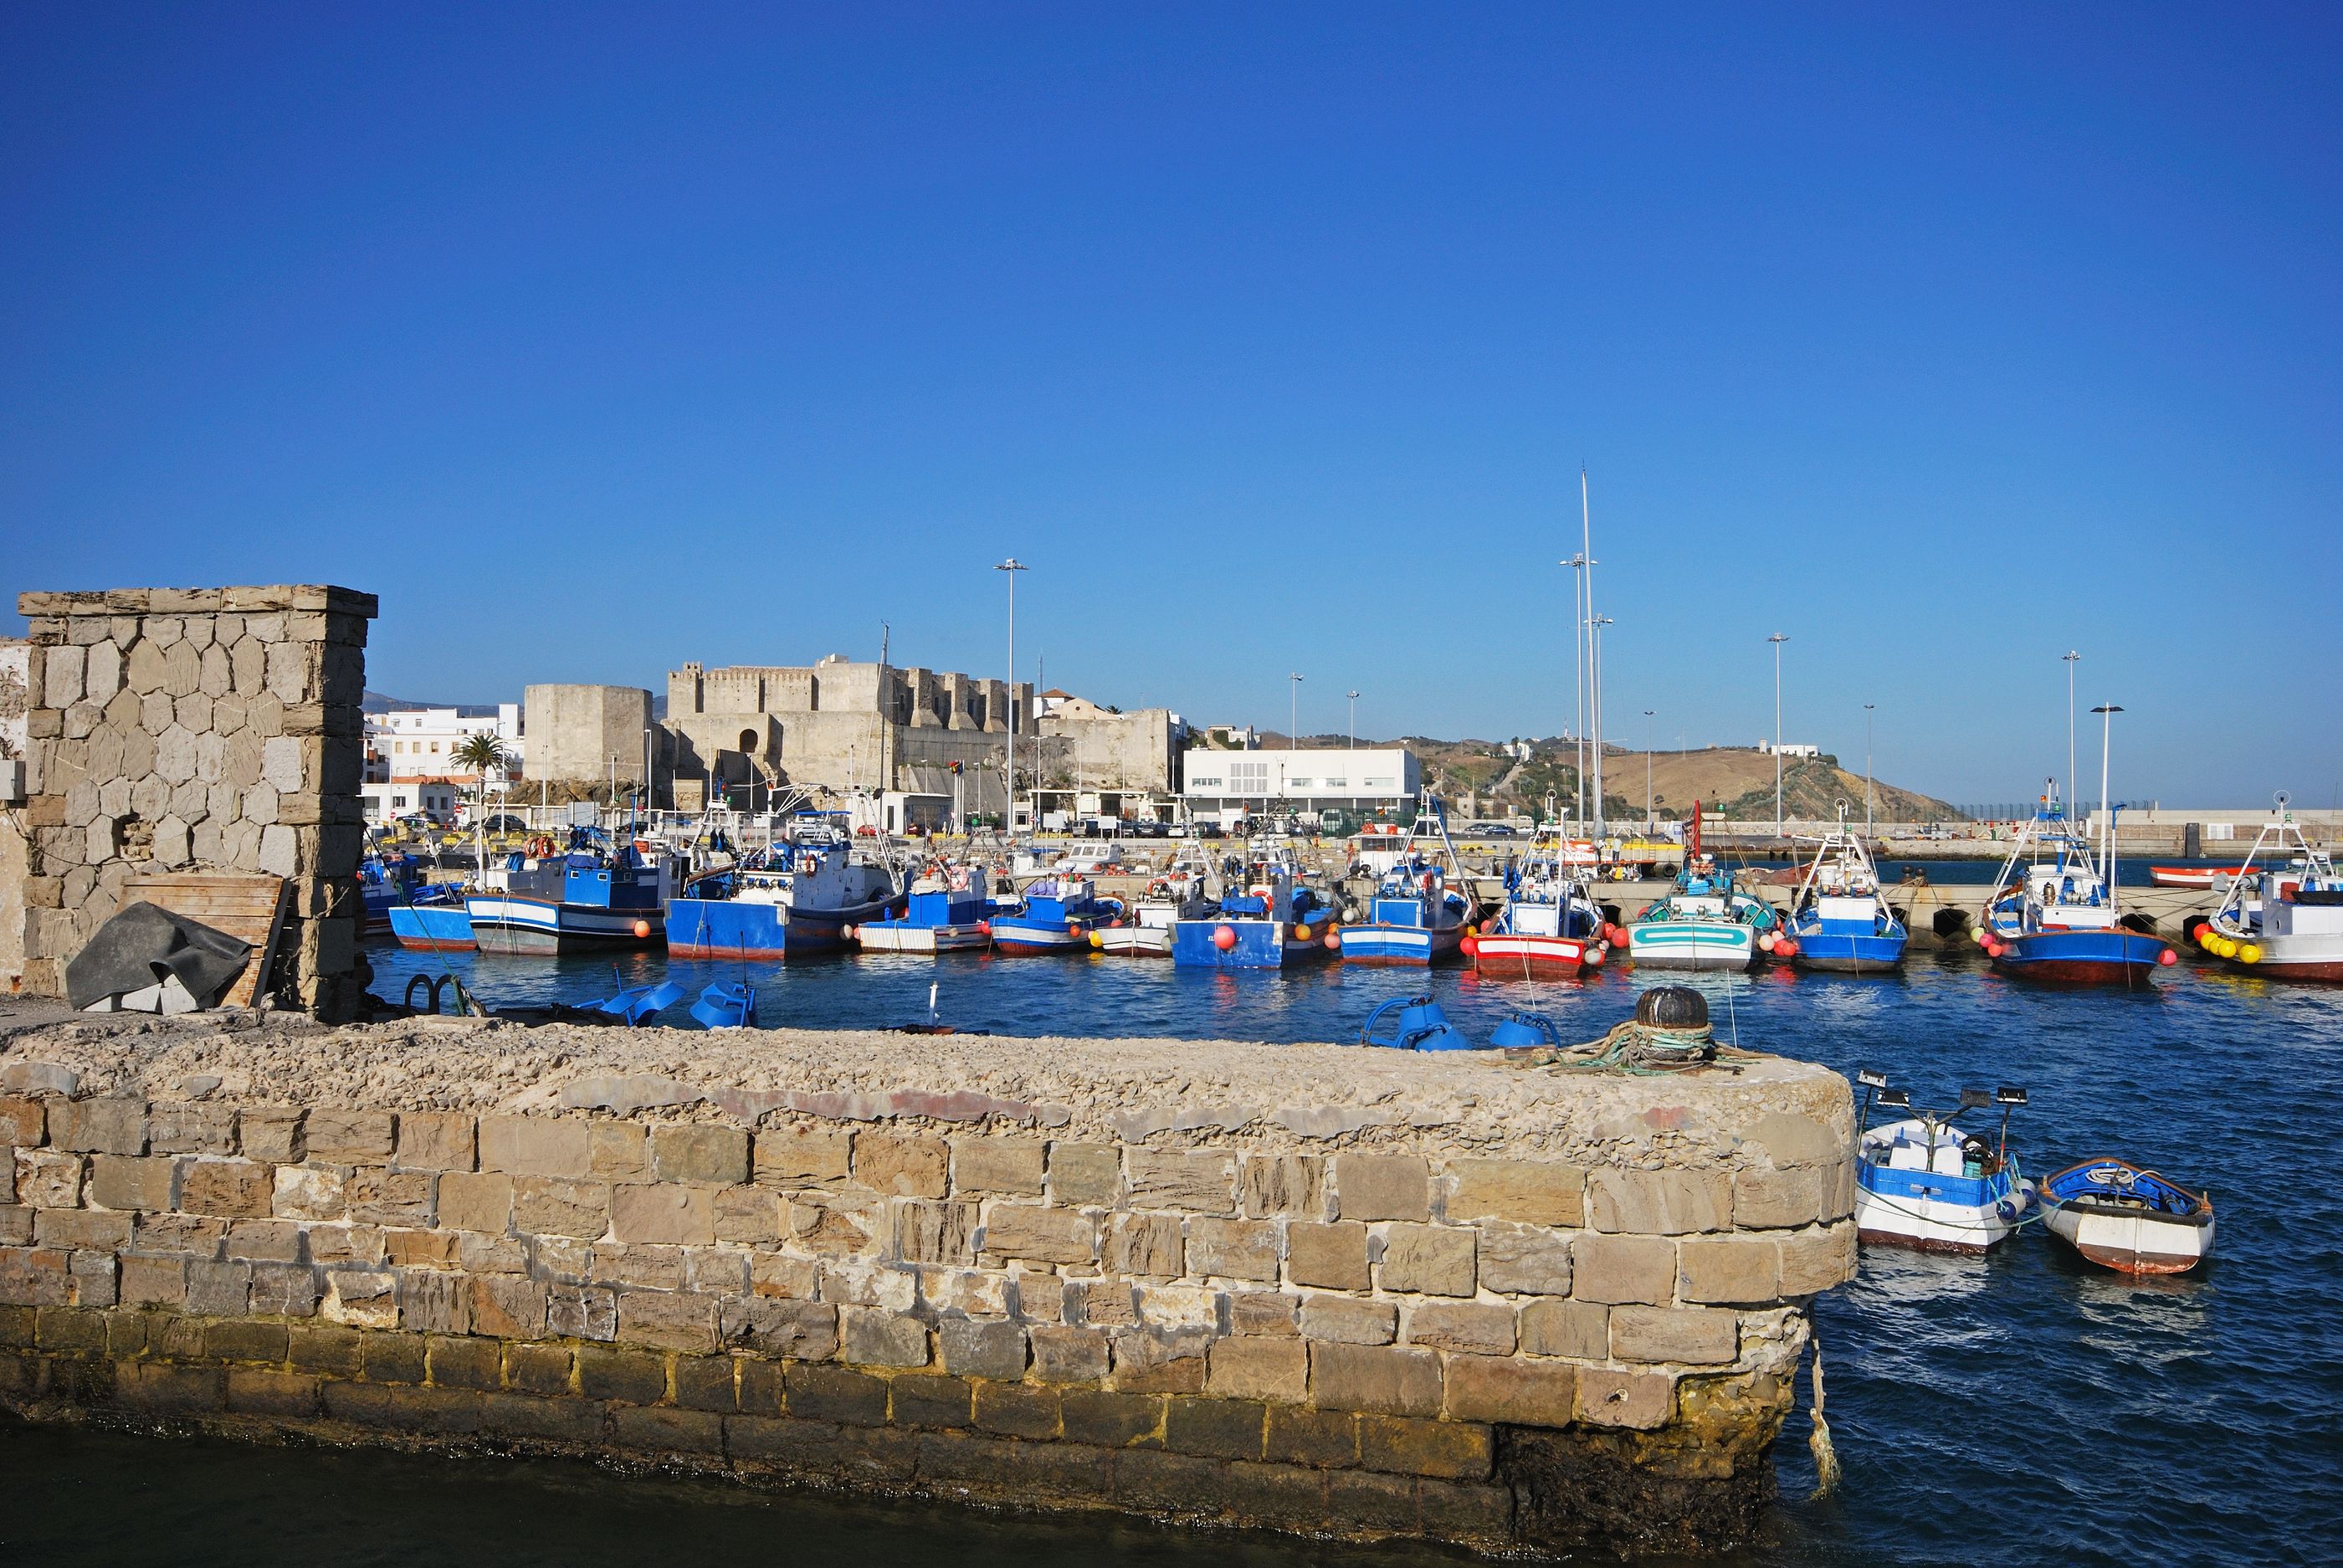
1643,1050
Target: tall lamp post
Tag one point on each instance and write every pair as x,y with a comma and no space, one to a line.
2069,657
1354,695
1867,769
1647,772
2107,711
1594,624
1294,713
1013,566
1777,639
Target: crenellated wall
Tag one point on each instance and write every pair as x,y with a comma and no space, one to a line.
1361,1293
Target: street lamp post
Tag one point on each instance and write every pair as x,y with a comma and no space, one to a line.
1294,713
2069,658
1647,772
2107,711
1777,639
1354,718
1867,769
1013,566
1594,624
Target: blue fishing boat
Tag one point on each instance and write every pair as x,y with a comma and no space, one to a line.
807,894
444,927
1277,921
946,912
1056,918
596,895
1415,918
2053,912
1838,919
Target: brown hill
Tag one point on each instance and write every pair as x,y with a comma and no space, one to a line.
1730,781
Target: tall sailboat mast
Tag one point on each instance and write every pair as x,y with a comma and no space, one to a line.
1594,665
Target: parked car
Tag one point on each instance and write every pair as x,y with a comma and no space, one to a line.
504,824
1490,830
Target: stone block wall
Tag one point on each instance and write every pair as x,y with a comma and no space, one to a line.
1307,1319
193,729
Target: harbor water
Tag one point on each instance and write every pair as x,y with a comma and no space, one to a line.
2024,1409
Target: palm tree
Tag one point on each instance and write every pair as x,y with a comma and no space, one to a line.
480,753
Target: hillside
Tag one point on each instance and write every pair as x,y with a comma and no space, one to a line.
1732,782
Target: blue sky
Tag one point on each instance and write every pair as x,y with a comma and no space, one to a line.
1272,339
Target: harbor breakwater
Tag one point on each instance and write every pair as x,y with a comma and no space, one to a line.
1312,1288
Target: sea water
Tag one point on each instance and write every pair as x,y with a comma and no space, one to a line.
2027,1408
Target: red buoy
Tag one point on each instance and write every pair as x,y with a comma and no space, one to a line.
984,928
1470,946
2167,957
1784,948
1224,938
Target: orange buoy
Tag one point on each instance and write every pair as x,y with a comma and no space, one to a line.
1224,938
1471,944
643,929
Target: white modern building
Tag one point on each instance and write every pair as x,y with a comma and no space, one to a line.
1787,748
384,803
420,743
1295,781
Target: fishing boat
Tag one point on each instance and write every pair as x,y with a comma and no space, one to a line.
595,895
1838,919
945,911
444,926
2127,1219
2054,913
1548,927
2282,921
805,894
1703,922
1154,916
1415,917
1278,920
1920,1181
1056,918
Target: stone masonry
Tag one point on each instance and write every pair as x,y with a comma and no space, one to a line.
1491,1305
194,730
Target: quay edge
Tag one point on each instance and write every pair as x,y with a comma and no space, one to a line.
1309,1288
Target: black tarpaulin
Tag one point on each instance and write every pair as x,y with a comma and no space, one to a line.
140,946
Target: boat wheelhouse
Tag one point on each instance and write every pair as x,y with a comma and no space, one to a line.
1703,922
945,911
598,895
1056,918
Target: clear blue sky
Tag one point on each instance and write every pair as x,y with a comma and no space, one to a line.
596,340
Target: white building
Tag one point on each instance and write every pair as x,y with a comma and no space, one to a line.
384,803
1295,781
421,743
1767,748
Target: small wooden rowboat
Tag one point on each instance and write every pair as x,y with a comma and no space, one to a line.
2124,1218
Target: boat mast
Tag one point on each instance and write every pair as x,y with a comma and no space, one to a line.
2107,712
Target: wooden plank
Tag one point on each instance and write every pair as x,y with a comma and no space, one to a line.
251,908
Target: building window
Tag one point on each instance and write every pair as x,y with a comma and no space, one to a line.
1380,783
1337,783
1249,778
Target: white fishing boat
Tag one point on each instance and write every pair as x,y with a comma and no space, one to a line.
1146,933
1549,926
2287,922
1925,1183
2127,1219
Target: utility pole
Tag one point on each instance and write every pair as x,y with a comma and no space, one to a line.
1013,566
1777,639
2070,656
1294,713
1354,718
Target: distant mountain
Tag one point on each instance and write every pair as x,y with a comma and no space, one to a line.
382,702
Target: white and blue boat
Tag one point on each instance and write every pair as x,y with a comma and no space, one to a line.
1838,919
595,896
1057,918
444,927
1414,918
807,894
946,912
1925,1183
1278,920
2054,913
1703,922
1549,927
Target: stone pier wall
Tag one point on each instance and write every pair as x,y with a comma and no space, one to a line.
1351,1292
192,729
